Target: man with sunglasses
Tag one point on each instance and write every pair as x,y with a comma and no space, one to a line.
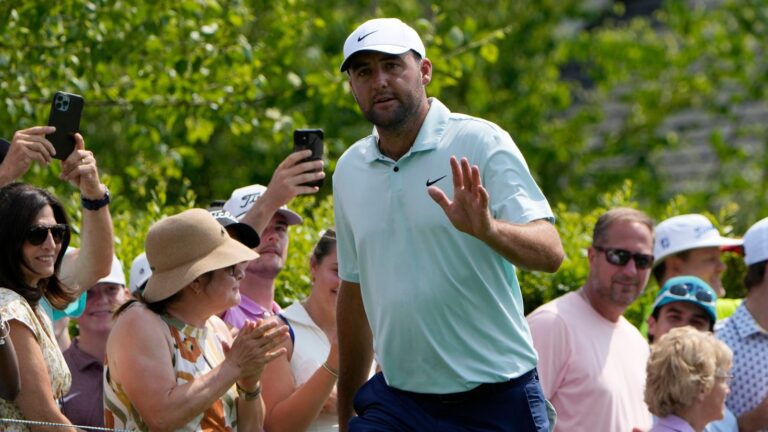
691,245
591,359
688,301
745,333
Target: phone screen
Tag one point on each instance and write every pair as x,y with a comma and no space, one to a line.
309,139
66,109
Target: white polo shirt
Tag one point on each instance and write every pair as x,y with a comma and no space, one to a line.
445,309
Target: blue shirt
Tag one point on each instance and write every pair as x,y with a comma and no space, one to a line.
728,423
73,310
445,309
749,343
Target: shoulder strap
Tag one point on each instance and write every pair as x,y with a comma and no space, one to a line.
290,328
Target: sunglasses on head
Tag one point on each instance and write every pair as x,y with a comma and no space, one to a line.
620,257
692,291
39,233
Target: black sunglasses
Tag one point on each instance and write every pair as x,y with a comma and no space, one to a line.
687,290
39,233
620,257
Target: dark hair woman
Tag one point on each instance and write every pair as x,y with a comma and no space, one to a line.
300,388
34,235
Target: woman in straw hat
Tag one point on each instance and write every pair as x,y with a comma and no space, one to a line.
166,369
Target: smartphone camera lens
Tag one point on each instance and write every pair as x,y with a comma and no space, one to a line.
62,102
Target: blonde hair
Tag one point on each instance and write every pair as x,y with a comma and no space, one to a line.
683,364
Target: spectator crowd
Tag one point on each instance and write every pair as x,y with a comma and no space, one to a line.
415,319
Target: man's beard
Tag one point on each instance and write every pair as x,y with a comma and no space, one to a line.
402,115
264,270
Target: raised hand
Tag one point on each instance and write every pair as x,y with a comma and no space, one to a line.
80,170
287,180
468,211
27,146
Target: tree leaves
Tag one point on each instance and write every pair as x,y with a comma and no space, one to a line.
188,100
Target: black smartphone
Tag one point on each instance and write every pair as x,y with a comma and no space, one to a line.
66,109
309,139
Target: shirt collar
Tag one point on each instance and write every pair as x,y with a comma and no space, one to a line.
674,423
429,135
744,323
81,359
298,313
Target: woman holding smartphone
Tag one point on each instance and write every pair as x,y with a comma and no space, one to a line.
34,234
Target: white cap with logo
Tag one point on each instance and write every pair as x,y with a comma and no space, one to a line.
242,200
756,243
140,272
387,35
685,232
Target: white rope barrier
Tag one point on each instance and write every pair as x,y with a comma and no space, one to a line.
59,425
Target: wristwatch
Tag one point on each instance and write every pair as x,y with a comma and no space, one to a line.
90,204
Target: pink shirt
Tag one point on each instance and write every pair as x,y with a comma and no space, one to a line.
591,369
247,310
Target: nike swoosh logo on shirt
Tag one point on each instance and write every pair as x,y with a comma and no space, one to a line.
430,183
69,397
360,38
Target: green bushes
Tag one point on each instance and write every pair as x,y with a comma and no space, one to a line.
575,228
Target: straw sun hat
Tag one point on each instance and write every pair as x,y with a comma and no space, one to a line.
184,246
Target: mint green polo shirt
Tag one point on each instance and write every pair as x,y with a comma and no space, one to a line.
445,310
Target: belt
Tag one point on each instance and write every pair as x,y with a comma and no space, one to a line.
483,390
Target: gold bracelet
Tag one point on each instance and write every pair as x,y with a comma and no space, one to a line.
248,395
331,371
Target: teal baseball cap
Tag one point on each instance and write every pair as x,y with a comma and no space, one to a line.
688,289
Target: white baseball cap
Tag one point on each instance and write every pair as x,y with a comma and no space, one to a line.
686,232
242,200
116,275
387,35
140,272
756,243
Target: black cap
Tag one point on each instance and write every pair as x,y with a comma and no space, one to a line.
242,232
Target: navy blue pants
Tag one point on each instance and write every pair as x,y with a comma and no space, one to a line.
514,406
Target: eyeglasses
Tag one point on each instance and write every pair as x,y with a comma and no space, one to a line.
39,233
726,377
690,291
234,273
620,257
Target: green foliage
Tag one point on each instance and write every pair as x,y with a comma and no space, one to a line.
188,100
